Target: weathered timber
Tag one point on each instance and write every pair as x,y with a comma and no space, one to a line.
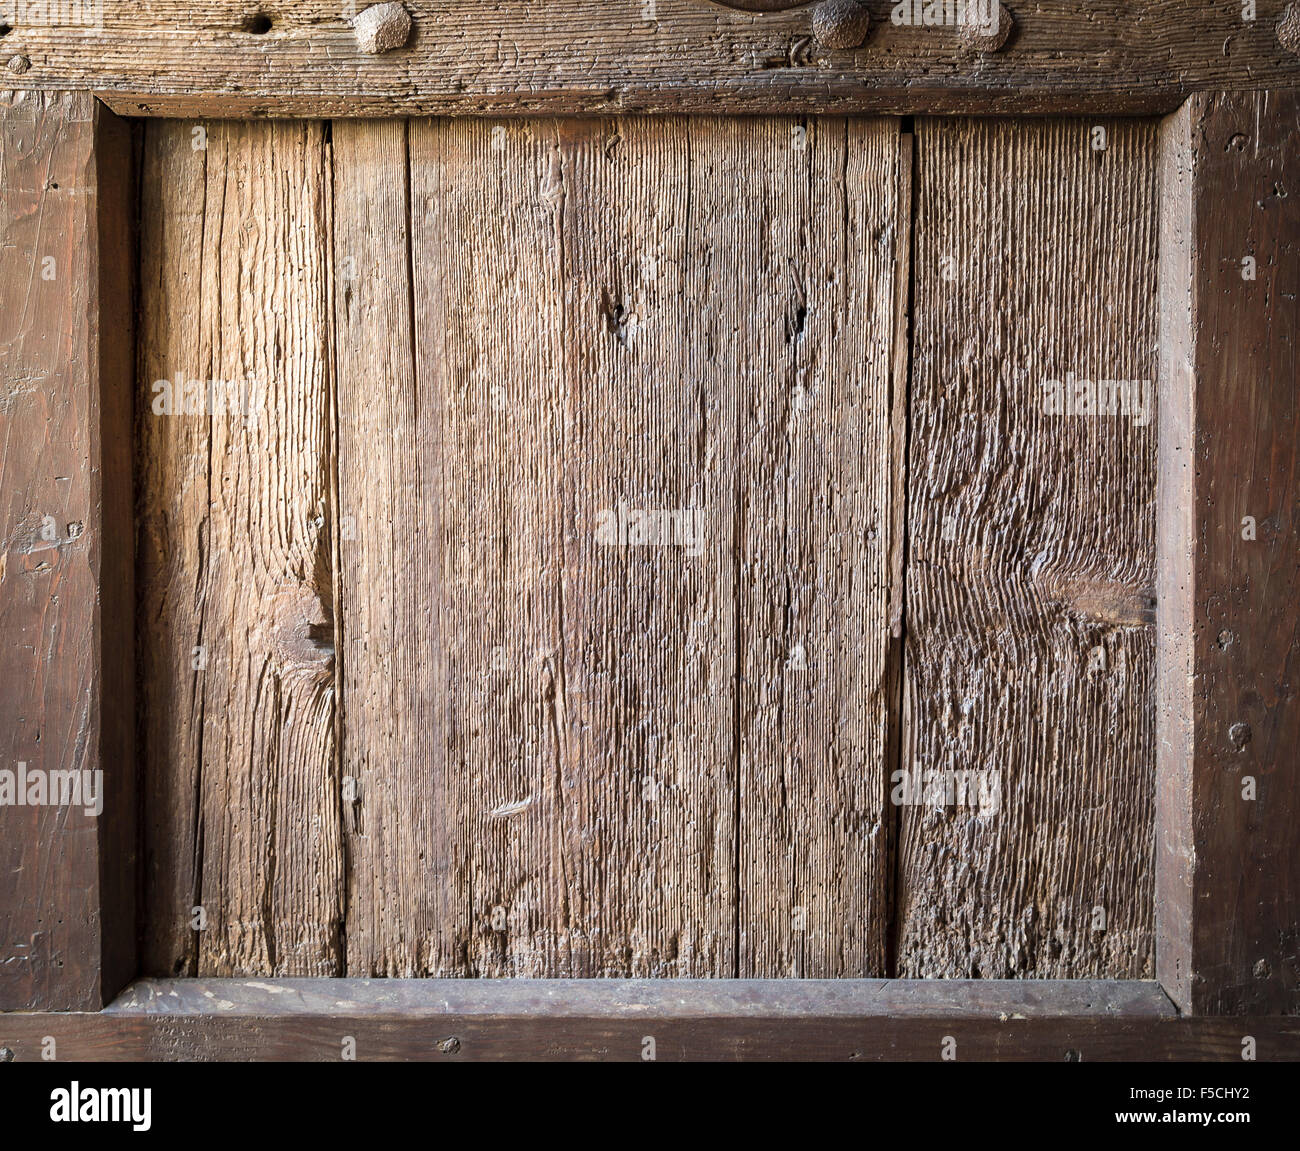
1030,614
67,863
673,1020
1228,862
569,56
243,867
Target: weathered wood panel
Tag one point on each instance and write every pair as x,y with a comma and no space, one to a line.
1030,554
235,610
567,796
815,237
1229,712
650,387
488,282
407,911
565,758
67,857
564,56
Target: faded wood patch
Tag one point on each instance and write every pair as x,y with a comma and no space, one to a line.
815,238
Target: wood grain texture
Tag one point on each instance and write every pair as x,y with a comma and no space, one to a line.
650,384
489,337
1030,555
812,261
235,604
563,796
408,893
1229,716
609,1020
566,56
67,886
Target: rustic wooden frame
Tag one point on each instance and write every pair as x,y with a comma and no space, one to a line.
1227,706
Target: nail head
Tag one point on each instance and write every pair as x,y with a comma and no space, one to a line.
1288,29
988,37
841,24
382,28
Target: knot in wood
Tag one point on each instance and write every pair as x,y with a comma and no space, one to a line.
1288,29
1239,734
19,64
989,35
841,24
382,28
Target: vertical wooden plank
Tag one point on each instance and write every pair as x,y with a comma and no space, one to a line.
652,384
807,238
67,783
1030,555
407,880
235,588
1228,868
487,268
171,501
1175,557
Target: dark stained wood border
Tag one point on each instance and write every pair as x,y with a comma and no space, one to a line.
1228,712
67,879
567,57
686,1020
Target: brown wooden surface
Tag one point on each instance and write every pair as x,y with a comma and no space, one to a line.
557,1020
1030,554
565,779
407,877
489,306
819,236
531,837
67,888
1229,866
172,59
234,611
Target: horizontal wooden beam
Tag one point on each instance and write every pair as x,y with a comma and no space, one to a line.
562,1020
660,998
242,58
